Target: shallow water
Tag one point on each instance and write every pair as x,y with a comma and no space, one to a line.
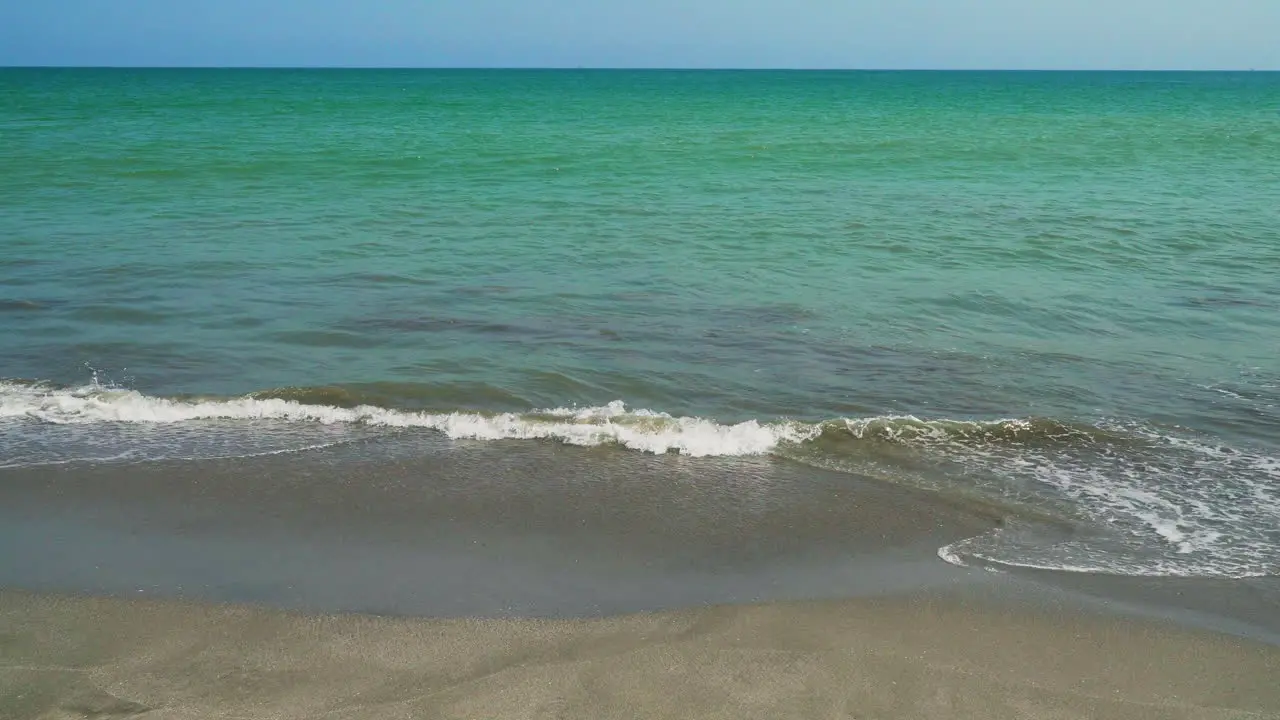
1054,292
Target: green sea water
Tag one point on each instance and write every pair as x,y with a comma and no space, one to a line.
1058,290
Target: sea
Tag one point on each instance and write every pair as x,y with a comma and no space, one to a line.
1055,295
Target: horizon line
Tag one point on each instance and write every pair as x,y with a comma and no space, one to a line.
607,68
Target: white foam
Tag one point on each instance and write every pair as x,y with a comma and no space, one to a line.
19,462
643,430
1175,507
958,554
1267,465
948,554
1168,505
909,428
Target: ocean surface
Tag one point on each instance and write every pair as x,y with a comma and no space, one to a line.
1053,294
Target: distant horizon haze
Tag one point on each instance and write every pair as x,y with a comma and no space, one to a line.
1176,35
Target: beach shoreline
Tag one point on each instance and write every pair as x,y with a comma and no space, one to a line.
524,582
505,530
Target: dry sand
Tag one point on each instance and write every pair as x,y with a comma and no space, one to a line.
903,657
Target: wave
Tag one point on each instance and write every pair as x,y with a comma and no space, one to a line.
642,430
1145,501
613,423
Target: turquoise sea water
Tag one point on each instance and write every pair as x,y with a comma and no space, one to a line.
1055,291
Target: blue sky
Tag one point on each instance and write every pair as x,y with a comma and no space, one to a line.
1157,34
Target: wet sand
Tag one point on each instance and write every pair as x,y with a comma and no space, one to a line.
540,582
524,530
916,656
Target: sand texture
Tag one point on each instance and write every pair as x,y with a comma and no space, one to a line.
904,657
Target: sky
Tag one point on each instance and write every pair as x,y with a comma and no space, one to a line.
904,34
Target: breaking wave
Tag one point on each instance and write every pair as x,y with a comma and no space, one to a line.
1144,501
643,430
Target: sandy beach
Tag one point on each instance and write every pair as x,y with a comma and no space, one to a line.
903,657
468,585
